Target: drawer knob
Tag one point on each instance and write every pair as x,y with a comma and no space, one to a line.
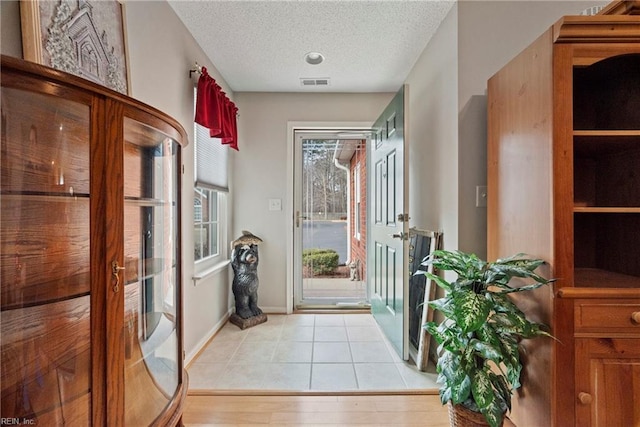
585,398
635,317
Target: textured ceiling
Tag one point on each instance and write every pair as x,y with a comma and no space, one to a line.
369,46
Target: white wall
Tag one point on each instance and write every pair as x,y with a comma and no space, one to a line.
161,53
433,147
260,171
490,33
10,42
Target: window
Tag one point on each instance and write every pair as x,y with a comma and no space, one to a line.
209,199
206,227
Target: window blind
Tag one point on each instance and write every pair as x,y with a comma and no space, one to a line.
211,159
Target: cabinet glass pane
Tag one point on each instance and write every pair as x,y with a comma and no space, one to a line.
44,259
151,231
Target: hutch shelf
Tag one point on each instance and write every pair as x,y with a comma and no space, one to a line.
91,318
564,185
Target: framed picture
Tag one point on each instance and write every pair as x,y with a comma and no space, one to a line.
421,290
82,37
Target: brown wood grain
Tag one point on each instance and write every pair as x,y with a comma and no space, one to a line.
598,278
63,193
46,144
114,203
292,410
45,352
520,172
44,248
606,317
610,371
622,7
603,29
594,218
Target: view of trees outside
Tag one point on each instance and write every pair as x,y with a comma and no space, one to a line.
325,185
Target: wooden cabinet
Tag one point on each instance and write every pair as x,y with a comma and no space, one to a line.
609,375
564,185
607,352
89,254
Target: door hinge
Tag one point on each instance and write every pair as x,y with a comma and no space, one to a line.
403,217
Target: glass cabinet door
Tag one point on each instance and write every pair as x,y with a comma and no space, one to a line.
45,321
152,369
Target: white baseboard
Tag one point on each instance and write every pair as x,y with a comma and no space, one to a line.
274,310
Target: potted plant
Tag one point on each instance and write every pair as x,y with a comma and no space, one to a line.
479,364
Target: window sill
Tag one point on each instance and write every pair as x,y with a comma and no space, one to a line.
209,271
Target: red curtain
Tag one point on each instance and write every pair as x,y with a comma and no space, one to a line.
215,111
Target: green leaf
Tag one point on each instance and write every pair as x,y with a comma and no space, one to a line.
510,353
445,336
460,388
472,310
444,305
511,322
502,303
508,289
466,265
503,392
481,389
489,336
447,367
493,413
486,350
537,329
434,330
439,280
445,395
513,374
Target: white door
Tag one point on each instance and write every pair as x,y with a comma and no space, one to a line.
388,270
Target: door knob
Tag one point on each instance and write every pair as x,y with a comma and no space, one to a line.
299,217
635,317
401,235
585,398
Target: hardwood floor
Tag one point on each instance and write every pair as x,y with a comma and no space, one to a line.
320,410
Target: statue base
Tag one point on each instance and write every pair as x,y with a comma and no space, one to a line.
247,323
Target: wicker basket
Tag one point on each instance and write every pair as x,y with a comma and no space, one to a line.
459,416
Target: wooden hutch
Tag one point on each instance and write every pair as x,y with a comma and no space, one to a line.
564,185
91,318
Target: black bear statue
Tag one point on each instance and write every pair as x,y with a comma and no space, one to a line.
244,261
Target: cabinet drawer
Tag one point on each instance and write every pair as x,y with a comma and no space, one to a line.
601,316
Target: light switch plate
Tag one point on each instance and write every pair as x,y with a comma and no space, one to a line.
481,196
275,204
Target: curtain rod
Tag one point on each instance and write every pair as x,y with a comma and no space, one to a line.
197,70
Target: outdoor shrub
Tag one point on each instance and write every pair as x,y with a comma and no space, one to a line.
320,261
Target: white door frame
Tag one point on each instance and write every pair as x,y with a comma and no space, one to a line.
289,204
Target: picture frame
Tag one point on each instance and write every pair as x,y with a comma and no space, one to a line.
422,243
82,37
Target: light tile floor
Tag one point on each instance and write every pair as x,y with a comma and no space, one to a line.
306,352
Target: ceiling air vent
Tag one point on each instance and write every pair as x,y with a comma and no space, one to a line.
314,81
